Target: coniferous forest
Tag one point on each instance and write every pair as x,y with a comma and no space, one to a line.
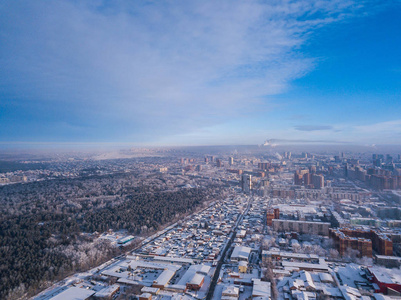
46,227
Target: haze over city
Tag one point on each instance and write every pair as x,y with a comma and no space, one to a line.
199,72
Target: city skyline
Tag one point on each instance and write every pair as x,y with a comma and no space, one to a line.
200,73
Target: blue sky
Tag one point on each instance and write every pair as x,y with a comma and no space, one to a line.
200,72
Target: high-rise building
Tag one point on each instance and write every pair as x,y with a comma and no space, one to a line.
231,160
307,179
263,165
246,183
318,181
363,240
219,163
272,214
297,178
378,162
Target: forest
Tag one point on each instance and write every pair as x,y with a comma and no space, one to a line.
46,228
10,166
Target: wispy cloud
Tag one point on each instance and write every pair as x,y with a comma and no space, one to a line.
313,127
393,126
388,132
142,69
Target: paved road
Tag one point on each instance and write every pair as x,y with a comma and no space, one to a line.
216,275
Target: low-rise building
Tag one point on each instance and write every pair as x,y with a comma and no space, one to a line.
303,227
241,253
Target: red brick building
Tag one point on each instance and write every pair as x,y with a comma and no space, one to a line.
272,214
362,240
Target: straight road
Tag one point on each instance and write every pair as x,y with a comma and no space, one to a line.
216,275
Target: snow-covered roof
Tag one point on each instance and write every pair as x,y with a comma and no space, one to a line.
386,276
107,291
308,281
230,290
261,289
74,293
164,277
197,279
241,252
325,277
307,266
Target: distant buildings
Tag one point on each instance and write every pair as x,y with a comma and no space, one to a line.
264,165
246,183
317,181
4,180
309,179
383,182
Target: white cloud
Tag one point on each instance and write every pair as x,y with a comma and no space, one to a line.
381,132
159,67
380,128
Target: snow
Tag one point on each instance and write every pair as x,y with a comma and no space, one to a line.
349,274
74,293
385,275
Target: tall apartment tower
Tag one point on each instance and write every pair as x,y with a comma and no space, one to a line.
231,160
318,181
246,183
